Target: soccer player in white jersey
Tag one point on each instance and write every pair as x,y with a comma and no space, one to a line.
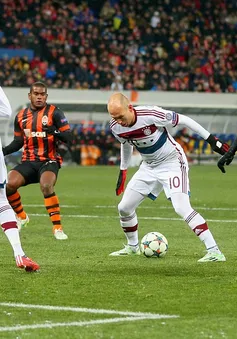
7,216
164,167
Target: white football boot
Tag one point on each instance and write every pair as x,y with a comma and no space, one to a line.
22,222
59,234
212,256
127,250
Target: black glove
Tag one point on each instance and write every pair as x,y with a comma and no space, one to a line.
121,182
226,159
51,130
217,145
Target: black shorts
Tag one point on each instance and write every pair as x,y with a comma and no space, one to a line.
32,171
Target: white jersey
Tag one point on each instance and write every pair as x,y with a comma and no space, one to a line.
5,107
5,111
150,136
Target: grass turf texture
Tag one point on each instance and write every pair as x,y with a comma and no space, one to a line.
78,272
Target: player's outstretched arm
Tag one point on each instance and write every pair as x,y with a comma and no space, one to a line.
17,142
14,146
216,144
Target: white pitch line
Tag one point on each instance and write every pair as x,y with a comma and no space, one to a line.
114,217
143,207
81,323
130,316
78,309
171,207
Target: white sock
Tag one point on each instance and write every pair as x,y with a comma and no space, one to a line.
207,238
13,236
132,238
214,249
8,223
198,223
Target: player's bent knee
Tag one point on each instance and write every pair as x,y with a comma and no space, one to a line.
180,210
15,180
47,188
11,188
124,209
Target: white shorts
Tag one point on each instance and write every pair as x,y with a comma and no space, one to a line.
3,170
170,177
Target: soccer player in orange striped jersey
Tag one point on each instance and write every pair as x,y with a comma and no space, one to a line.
38,129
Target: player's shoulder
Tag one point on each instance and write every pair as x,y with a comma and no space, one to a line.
149,113
52,106
55,109
21,112
145,109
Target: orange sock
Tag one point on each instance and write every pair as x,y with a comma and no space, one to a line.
52,205
15,202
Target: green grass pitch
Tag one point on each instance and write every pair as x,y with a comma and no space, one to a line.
97,296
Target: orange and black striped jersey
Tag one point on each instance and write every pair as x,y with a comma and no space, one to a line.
31,125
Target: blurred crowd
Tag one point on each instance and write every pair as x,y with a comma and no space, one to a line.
90,147
94,146
157,45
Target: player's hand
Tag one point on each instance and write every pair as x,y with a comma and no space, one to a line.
217,145
52,130
121,182
226,159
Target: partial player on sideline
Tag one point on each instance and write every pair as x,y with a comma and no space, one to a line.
7,216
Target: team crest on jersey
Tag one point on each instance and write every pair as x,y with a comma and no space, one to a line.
147,131
45,120
168,116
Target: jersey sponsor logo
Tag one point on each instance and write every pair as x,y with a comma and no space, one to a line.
168,116
38,134
45,120
27,132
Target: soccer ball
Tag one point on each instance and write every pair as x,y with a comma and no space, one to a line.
154,244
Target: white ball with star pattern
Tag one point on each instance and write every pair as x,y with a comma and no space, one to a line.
154,245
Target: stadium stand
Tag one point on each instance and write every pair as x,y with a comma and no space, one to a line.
157,45
154,46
